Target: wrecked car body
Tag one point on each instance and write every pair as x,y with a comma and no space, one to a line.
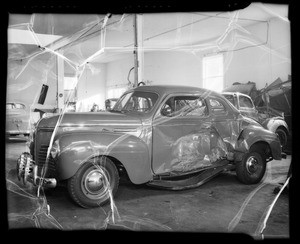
273,123
171,137
275,100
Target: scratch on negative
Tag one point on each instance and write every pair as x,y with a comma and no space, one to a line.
233,223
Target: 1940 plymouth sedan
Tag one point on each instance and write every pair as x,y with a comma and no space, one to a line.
171,137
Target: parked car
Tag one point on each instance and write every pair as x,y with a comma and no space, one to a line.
273,123
171,137
17,119
276,99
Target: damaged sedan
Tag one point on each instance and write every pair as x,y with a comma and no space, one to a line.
171,137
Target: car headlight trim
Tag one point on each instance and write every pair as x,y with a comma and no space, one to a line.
55,149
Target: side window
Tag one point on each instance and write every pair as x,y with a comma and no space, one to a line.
184,106
216,106
245,102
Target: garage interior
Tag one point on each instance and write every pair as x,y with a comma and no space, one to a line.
60,63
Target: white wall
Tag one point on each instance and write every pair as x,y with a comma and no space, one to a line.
91,87
160,67
117,72
261,64
173,68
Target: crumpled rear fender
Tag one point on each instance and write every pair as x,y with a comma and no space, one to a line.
273,123
76,149
253,134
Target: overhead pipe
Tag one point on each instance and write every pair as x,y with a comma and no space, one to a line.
135,51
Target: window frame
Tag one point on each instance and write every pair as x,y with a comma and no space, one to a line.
211,111
241,107
158,114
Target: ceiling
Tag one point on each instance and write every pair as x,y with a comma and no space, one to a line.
80,37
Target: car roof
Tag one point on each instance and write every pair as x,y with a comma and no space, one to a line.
167,89
236,93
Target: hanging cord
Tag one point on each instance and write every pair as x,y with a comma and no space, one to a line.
129,75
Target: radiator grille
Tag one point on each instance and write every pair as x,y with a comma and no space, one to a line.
41,160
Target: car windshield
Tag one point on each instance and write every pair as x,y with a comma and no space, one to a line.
9,106
15,106
19,106
136,101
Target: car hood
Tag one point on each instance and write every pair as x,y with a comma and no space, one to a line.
91,119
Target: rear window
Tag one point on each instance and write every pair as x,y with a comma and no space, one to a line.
245,102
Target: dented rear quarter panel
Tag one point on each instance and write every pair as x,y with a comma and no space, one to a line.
252,134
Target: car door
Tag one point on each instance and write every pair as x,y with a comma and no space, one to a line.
224,122
181,135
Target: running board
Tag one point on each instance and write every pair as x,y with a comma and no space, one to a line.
190,182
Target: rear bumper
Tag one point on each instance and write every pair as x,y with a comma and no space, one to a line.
27,172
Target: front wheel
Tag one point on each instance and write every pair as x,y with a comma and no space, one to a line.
94,183
251,169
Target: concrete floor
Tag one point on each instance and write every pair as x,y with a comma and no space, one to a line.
222,205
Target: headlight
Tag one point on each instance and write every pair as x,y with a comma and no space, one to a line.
55,150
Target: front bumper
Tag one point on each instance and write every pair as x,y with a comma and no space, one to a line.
27,171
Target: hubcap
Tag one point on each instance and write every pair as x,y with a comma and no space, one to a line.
252,165
94,183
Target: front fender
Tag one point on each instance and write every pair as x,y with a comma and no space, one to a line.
76,149
253,134
273,123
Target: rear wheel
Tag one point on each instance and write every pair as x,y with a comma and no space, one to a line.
94,183
283,137
251,169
